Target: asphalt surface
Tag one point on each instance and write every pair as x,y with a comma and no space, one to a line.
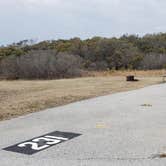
122,129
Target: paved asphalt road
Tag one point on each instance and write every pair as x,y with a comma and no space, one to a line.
116,131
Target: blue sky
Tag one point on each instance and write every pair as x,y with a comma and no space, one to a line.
54,19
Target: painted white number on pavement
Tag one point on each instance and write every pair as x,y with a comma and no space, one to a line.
40,143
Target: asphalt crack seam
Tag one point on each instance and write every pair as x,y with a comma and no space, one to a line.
118,158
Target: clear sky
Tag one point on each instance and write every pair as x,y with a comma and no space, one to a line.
53,19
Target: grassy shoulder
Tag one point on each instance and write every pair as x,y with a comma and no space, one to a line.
23,97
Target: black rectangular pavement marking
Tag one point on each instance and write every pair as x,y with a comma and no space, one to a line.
40,143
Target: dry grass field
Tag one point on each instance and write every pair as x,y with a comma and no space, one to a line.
23,97
138,73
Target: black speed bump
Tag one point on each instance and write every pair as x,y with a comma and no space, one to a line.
40,143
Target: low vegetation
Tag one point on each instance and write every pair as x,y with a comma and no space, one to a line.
75,57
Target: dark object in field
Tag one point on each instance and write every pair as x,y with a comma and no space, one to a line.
130,78
162,155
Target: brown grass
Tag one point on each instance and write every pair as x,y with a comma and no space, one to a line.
23,97
137,73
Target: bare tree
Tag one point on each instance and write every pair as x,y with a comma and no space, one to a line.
153,61
41,64
68,65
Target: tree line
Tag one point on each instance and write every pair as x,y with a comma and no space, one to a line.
69,58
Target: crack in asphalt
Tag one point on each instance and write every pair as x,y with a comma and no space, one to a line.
118,158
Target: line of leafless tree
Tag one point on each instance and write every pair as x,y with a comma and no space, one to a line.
41,64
